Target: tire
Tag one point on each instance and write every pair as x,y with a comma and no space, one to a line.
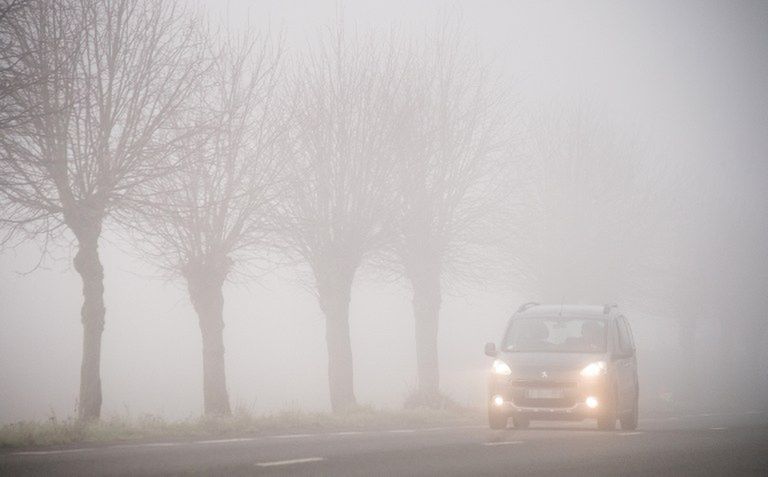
629,420
497,420
520,422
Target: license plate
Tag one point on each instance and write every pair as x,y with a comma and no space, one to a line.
545,393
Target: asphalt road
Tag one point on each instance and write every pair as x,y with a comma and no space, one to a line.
701,444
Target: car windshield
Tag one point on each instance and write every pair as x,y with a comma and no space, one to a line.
556,335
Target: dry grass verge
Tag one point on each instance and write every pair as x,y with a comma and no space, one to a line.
55,432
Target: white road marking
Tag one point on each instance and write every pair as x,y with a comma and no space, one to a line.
242,439
703,414
289,462
502,443
630,433
717,428
659,419
291,436
226,441
52,452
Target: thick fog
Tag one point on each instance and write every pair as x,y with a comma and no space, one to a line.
636,172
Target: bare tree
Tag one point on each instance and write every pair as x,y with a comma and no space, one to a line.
9,7
713,267
672,279
10,55
341,207
88,127
216,210
457,134
595,208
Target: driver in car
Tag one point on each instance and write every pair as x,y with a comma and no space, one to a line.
535,335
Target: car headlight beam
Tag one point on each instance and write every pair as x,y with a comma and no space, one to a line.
593,370
501,368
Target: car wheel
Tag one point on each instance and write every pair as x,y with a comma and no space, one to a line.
629,421
520,422
497,420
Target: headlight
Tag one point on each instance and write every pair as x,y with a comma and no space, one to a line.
593,370
501,368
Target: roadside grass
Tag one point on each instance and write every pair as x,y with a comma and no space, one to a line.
118,429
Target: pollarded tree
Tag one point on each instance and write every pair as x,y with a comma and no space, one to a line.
11,53
595,199
215,210
340,206
451,199
711,266
96,81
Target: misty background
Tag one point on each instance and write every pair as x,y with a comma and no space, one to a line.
675,92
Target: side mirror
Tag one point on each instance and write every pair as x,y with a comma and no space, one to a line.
490,350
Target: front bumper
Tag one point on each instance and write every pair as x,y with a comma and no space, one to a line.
577,412
571,405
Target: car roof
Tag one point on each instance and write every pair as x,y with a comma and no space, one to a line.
569,310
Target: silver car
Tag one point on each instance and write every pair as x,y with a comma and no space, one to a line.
564,362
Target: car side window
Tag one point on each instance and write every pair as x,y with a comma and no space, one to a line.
616,338
626,345
629,333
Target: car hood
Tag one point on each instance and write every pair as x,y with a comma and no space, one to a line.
555,365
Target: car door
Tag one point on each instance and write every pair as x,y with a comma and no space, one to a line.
626,367
633,386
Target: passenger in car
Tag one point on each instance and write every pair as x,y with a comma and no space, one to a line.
592,334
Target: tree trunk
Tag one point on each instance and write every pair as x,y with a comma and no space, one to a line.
728,347
88,265
754,375
688,377
334,296
730,359
205,290
426,313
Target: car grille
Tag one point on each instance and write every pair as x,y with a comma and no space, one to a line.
520,397
530,383
525,402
